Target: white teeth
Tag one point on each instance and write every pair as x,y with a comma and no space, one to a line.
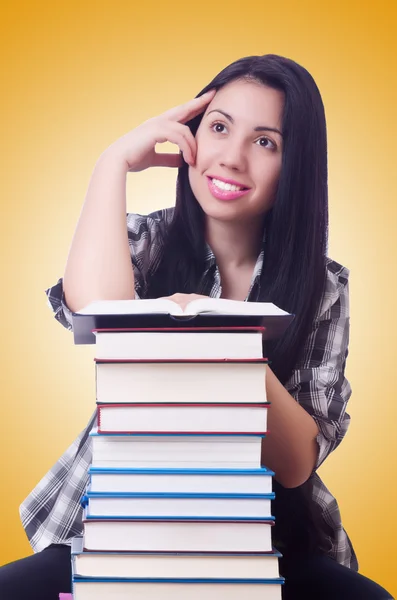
226,186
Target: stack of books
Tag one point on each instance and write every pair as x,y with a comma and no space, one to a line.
178,505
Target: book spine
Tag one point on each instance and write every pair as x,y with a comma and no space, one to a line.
273,581
130,519
89,494
263,471
102,405
181,360
181,329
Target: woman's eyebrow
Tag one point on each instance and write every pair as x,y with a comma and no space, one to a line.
259,128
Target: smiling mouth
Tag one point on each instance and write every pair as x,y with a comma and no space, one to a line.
227,187
225,191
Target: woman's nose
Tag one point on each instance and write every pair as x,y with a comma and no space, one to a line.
233,156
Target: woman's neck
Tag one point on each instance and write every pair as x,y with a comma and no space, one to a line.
235,245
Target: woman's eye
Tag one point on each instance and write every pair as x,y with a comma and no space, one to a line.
217,125
268,141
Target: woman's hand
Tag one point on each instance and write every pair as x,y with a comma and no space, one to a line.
137,147
183,299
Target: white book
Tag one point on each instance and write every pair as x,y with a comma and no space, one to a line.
173,565
174,345
178,451
203,312
179,418
227,382
165,306
177,535
149,590
172,505
210,481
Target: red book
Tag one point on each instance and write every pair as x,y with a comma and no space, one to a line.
127,381
181,343
186,418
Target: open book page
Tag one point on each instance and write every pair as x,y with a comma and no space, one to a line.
131,307
201,305
233,307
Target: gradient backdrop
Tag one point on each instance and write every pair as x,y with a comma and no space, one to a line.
78,75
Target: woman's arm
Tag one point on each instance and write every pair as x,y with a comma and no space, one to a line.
290,449
307,418
99,261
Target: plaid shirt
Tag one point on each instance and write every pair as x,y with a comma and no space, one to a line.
52,513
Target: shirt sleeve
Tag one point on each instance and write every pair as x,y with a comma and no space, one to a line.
145,238
318,382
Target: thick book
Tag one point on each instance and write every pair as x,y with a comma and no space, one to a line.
204,481
176,505
219,381
181,589
179,343
261,565
172,564
176,451
178,535
182,418
203,312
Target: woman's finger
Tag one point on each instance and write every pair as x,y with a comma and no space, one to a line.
181,136
192,108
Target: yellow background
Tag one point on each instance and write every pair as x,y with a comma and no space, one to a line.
76,76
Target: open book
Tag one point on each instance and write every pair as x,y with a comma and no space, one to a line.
195,307
165,313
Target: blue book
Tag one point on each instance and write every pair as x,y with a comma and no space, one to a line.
216,481
165,505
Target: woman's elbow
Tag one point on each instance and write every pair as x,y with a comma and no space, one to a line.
292,480
299,469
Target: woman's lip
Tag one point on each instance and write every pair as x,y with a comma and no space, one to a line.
224,194
231,181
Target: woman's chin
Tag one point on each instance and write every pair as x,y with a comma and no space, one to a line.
222,213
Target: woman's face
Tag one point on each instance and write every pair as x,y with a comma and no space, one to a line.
237,141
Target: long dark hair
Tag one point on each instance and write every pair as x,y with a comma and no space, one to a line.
295,246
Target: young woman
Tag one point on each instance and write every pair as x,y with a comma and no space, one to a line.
250,223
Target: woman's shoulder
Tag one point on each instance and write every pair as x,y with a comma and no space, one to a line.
336,272
153,223
336,291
